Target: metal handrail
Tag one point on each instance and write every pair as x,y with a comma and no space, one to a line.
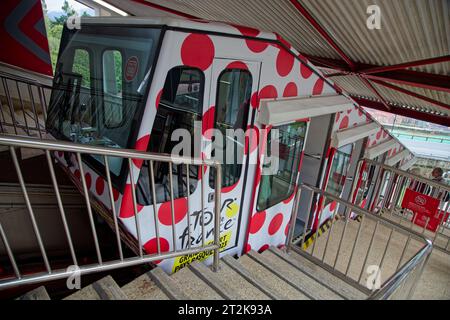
397,279
391,192
36,97
14,142
15,77
407,174
57,145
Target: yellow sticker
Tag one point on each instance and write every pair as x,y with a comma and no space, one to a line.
182,261
232,210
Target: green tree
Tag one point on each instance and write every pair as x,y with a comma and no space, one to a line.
68,11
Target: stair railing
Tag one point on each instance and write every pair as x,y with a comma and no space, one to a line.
18,278
352,248
388,200
23,105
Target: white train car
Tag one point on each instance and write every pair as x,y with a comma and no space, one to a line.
132,82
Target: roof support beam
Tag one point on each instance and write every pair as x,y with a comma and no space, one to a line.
406,65
322,32
375,91
408,77
442,120
411,93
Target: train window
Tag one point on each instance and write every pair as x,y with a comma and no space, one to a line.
180,107
279,185
232,106
112,88
338,171
99,91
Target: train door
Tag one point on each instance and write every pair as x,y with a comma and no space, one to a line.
226,139
312,167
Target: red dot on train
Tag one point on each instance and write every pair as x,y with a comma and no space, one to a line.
191,55
285,62
275,224
165,211
257,222
290,90
318,87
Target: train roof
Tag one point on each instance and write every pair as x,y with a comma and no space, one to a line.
191,24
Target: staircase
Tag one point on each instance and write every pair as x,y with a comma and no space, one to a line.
272,275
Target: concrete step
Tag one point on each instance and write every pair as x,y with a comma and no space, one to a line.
265,276
103,289
143,288
239,283
194,287
215,281
237,267
319,274
298,278
167,284
39,293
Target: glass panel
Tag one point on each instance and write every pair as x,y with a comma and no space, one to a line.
180,108
231,113
338,171
279,186
100,107
112,88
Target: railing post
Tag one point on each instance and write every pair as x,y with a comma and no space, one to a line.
293,219
217,215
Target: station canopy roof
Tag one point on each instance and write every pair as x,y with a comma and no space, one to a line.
403,67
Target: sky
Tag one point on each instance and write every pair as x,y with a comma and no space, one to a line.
55,5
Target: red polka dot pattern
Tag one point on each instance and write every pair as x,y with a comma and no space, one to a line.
275,224
158,98
165,211
258,220
88,179
268,92
237,65
286,229
248,248
99,186
254,101
305,71
284,63
337,117
379,134
141,145
116,194
290,90
333,206
263,248
198,51
318,87
344,123
151,246
127,207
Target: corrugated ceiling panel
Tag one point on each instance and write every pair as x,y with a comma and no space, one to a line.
410,30
278,16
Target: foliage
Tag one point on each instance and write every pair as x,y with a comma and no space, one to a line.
54,28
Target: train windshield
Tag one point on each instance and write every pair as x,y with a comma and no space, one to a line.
100,84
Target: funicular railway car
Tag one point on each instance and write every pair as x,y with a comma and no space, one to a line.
131,83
